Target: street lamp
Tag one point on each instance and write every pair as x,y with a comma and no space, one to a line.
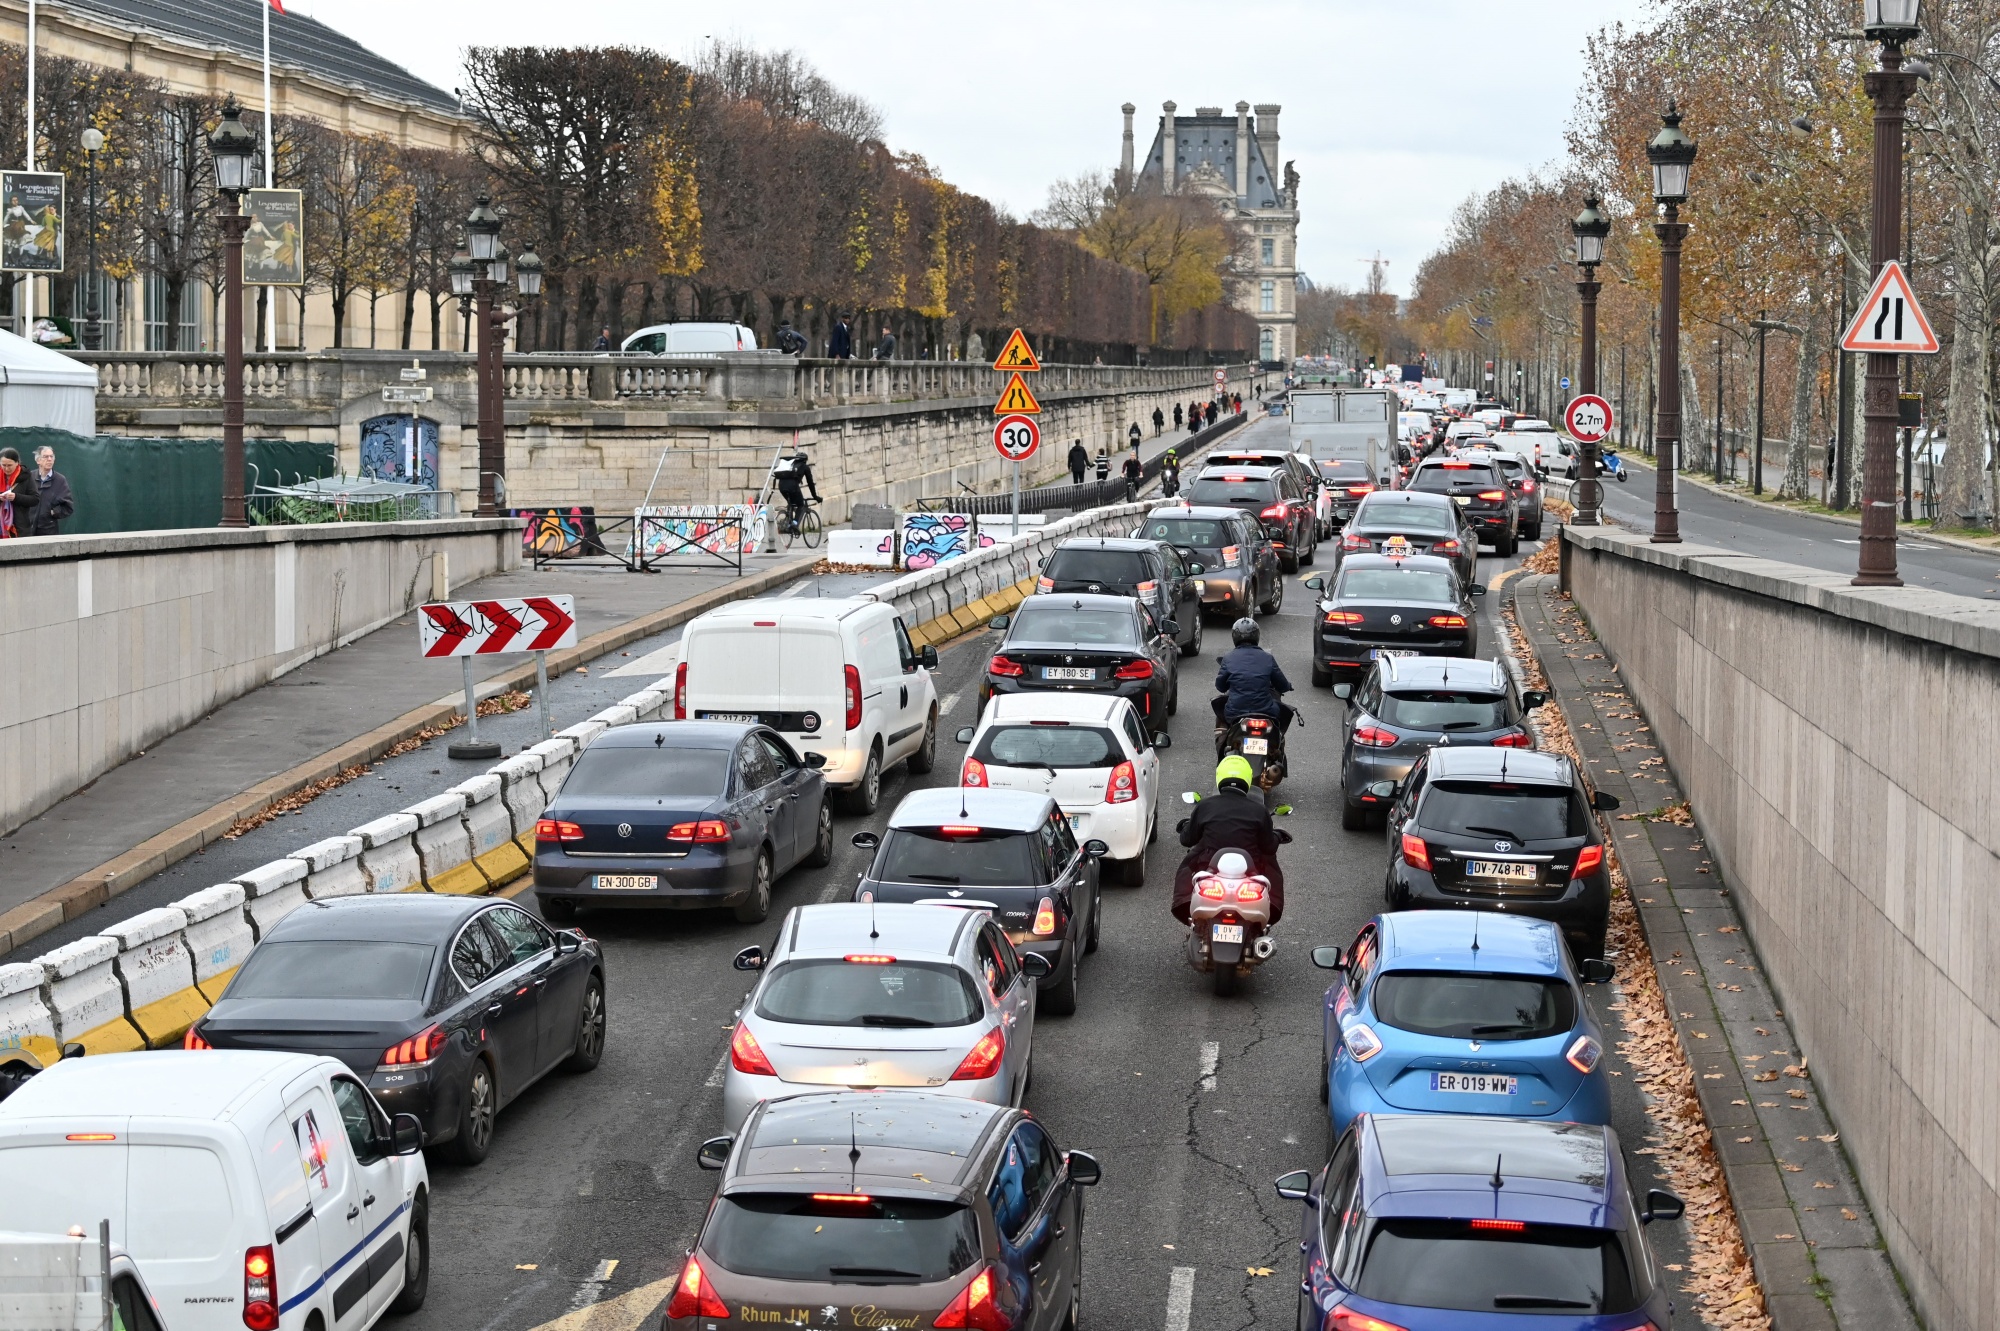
232,146
1589,228
480,272
1672,155
93,142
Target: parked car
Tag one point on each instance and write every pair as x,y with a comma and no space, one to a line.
1407,704
1391,605
834,677
256,1189
1239,567
1089,752
1501,829
1429,524
448,1007
681,815
1275,496
1427,1223
894,1210
1479,488
1151,571
1009,852
1089,644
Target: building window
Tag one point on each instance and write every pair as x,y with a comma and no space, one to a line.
1267,297
1267,344
1267,252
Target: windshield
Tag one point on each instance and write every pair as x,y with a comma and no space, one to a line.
830,992
880,1241
1515,812
651,772
329,969
1446,480
1422,586
1443,709
1512,467
1540,1268
1039,621
1058,746
1475,1007
1124,567
1196,533
1402,516
1222,490
974,859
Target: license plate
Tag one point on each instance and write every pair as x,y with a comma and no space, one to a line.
748,718
1524,873
626,882
1474,1083
1257,747
1376,654
1461,499
1226,933
1068,672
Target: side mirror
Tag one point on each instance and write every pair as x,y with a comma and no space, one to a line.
1034,965
1295,1186
1317,582
1596,970
1162,740
865,840
1382,790
567,942
1533,698
814,760
999,621
73,1050
1189,797
406,1134
1195,566
749,959
714,1153
1084,1171
1344,691
1096,849
964,735
1661,1205
1602,802
1170,628
928,658
1329,959
1476,589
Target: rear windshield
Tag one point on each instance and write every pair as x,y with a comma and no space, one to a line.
1221,490
333,969
1404,517
1515,812
1445,480
880,1241
829,992
1043,620
1346,470
1049,746
1475,1007
649,772
1513,467
969,859
1443,709
1551,1269
1425,586
1196,533
1126,567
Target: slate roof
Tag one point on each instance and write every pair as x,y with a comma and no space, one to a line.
1212,140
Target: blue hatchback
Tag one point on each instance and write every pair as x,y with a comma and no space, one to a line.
1461,1012
1420,1223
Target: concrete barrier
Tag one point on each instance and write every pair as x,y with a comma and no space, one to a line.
388,858
81,986
26,1024
521,791
557,754
623,714
333,867
218,935
652,704
583,733
153,964
444,847
489,829
272,892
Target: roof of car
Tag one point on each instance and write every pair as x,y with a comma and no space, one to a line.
391,917
772,607
675,735
908,1142
846,927
171,1083
1443,1166
1046,705
1484,760
1211,511
1007,810
1408,563
1107,543
1469,940
1430,672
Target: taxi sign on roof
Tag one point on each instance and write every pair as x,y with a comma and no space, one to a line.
1016,400
1890,320
1017,355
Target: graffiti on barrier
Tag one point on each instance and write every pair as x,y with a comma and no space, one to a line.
559,531
720,529
930,539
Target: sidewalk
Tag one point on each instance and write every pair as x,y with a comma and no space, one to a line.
1804,1219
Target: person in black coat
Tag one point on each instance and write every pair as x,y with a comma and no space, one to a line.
18,496
55,502
886,348
1231,819
1177,415
1159,422
840,342
1079,462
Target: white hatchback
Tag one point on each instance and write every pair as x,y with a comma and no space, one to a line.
1091,754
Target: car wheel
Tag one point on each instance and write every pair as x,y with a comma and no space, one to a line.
1355,817
1153,831
925,757
1194,644
1096,919
754,908
1507,545
822,851
1059,999
1277,598
1289,562
866,795
558,909
1174,697
589,1029
1534,533
1322,677
1132,872
475,1120
416,1260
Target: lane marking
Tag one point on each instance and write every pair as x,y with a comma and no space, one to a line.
656,663
1211,1054
627,1312
947,703
721,1070
1180,1298
588,1293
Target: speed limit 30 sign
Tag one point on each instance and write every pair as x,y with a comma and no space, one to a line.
1587,418
1017,437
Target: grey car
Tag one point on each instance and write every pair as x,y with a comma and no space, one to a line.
1428,524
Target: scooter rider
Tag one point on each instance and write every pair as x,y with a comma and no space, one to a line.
1248,682
1230,819
1170,474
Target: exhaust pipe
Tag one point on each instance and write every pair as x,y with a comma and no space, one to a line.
1263,947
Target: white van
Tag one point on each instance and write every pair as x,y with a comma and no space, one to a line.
690,339
836,677
254,1189
58,1282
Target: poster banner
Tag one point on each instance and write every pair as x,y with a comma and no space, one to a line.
274,249
31,221
721,529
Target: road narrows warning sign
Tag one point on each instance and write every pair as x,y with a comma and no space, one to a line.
1017,355
1016,400
1890,320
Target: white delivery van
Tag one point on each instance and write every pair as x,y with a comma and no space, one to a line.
836,677
253,1188
690,339
73,1282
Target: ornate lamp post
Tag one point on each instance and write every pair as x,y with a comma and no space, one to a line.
1672,155
1589,227
232,147
93,141
482,243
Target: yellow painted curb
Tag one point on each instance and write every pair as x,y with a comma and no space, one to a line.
218,982
39,1047
113,1037
966,619
504,863
466,880
165,1020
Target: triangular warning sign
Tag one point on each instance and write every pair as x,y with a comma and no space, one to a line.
1017,355
1890,319
1017,400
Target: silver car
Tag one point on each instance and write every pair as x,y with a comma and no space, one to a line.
868,996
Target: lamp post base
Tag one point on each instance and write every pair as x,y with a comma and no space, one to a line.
474,748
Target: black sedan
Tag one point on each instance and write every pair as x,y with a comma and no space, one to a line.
1098,644
1147,570
1478,487
682,815
1387,606
1428,524
448,1007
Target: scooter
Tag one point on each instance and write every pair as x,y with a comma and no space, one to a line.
1170,481
1611,464
1229,914
1260,741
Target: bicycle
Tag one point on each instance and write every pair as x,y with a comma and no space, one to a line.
801,523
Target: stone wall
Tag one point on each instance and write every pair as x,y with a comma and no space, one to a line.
1837,745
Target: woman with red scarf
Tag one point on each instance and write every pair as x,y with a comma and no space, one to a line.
18,496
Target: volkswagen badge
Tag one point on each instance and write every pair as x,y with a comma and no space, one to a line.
624,829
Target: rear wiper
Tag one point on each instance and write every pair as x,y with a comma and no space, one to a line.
1495,1030
884,1275
892,1019
936,877
1538,1301
1462,725
1496,831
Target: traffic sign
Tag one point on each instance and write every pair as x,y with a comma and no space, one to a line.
1565,383
1017,355
1016,399
1017,437
1587,418
1890,319
490,628
1222,378
406,392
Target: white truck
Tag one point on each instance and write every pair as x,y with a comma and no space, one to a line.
1348,425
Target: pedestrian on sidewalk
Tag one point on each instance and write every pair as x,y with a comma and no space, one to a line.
18,496
1159,422
55,503
1079,462
1236,401
1135,434
840,342
1135,472
789,340
603,342
1194,418
1177,417
1213,413
1103,466
886,348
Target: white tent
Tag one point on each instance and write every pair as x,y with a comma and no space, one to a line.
43,387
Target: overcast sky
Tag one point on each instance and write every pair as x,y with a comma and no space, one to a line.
1394,112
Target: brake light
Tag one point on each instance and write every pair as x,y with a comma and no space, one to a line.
1214,890
1256,725
193,1040
1123,787
984,1058
959,829
693,1297
977,1307
1235,478
1360,489
707,832
1275,511
1458,466
1504,1226
1343,617
1583,1055
1000,665
746,1055
416,1051
1588,861
1494,496
1527,487
853,698
681,692
869,959
1045,918
1232,555
1249,891
1448,546
1139,669
1346,1319
90,1137
1447,621
550,829
260,1289
973,774
1362,1043
1148,588
1515,739
1375,737
1415,853
1352,541
1044,585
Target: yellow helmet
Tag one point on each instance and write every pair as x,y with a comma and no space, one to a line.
1234,768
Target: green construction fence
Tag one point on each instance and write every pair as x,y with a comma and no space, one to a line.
123,483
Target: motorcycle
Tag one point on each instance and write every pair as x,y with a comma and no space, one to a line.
1170,481
1229,916
1611,464
1261,742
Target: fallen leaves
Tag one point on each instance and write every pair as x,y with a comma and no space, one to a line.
1258,1270
1847,1213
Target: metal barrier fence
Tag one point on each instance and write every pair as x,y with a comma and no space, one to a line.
639,544
275,509
1091,494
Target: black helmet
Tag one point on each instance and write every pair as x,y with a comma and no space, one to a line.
1244,632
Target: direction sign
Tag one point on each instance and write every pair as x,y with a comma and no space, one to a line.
490,628
1890,319
1016,399
1017,437
1017,355
406,392
1587,418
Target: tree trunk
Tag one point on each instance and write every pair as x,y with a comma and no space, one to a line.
1694,423
339,295
174,290
409,309
1805,379
1966,395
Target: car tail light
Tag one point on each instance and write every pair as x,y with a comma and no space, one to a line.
1494,496
1045,918
1044,585
693,1297
1000,665
973,774
1148,587
1346,1319
746,1055
193,1040
1504,1226
1527,487
1275,511
681,692
960,830
1353,541
977,1307
869,959
1139,669
1445,547
1447,621
1123,787
1214,890
1588,861
551,829
1232,555
984,1058
853,698
416,1051
1342,617
1362,1042
1256,725
1583,1055
1375,737
1514,739
1361,489
1235,479
1458,466
1415,853
260,1289
707,832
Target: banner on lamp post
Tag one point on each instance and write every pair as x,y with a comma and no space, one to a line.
274,249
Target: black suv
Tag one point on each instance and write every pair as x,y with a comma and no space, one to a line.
1150,571
1239,569
1480,489
1350,483
1275,496
1501,829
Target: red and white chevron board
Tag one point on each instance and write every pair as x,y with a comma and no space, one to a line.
489,628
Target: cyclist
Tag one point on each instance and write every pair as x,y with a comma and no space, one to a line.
795,476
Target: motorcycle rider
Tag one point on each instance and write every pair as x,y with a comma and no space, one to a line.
1230,819
1248,682
1170,473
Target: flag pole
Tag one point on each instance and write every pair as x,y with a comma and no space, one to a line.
270,178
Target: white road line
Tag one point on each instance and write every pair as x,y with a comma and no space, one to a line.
1180,1298
1211,1054
589,1292
795,589
655,663
721,1066
947,703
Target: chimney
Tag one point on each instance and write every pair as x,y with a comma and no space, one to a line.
1125,150
1242,150
1267,143
1169,148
